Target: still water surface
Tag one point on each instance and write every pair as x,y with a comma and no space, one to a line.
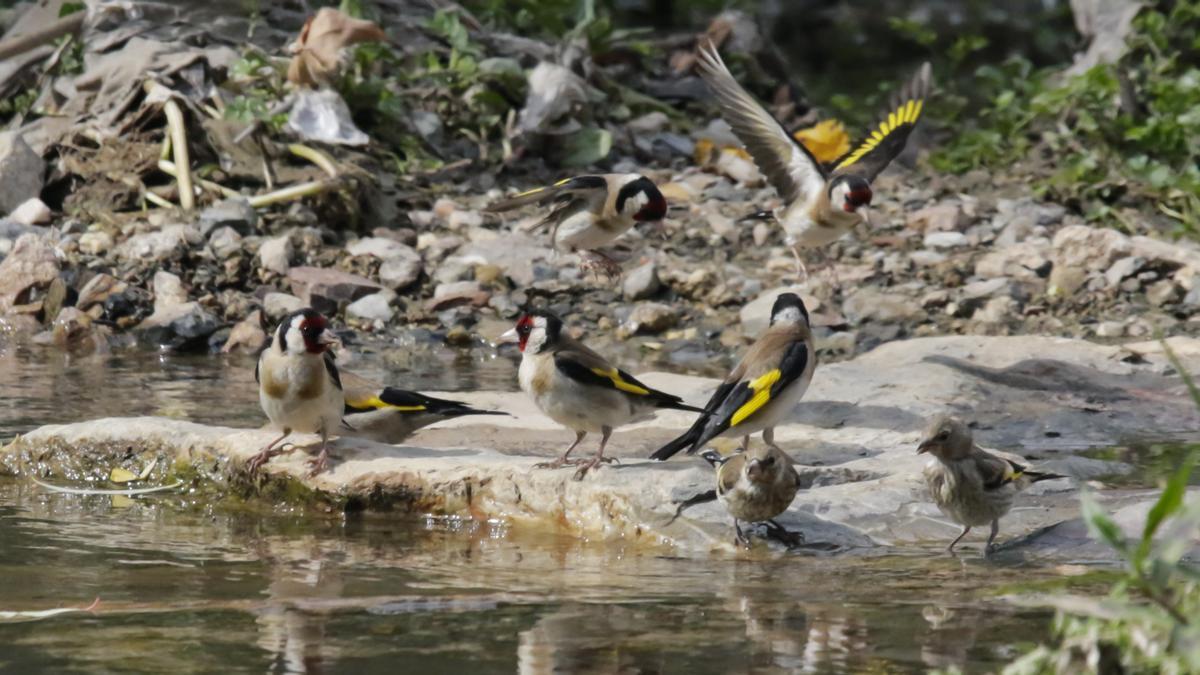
188,587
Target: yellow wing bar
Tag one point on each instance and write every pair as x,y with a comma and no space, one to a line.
619,382
376,402
761,386
906,113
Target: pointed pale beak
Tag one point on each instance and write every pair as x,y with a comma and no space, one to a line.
510,337
865,210
924,447
754,469
328,339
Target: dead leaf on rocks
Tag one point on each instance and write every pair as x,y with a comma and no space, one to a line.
318,50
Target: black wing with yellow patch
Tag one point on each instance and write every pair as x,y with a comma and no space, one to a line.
999,472
331,368
748,397
617,380
887,141
541,195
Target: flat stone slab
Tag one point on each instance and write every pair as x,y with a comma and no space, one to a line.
854,437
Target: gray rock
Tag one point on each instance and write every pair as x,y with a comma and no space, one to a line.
168,291
1079,248
998,310
945,239
927,258
168,243
380,247
276,254
180,327
428,124
518,254
1162,293
374,307
402,272
21,171
946,217
641,283
278,305
651,122
1122,269
1027,261
323,289
869,304
224,242
234,212
987,288
649,318
32,211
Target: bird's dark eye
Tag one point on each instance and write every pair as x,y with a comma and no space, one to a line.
943,435
523,329
768,461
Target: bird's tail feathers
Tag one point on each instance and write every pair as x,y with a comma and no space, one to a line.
1037,476
686,441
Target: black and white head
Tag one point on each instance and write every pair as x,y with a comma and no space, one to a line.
946,438
304,331
536,330
850,193
789,309
640,198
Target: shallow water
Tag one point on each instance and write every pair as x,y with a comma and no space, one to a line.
188,587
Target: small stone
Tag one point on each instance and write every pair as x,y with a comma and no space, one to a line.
650,123
323,289
247,335
1109,329
98,289
224,242
927,258
275,255
443,208
95,242
488,274
234,212
464,220
762,232
32,264
934,299
32,212
279,305
380,247
641,283
998,310
868,304
372,308
945,239
455,294
1079,249
168,291
402,271
649,318
184,327
723,226
170,242
21,171
986,288
938,218
842,342
1162,293
1123,269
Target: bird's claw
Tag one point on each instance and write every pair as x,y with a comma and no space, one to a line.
590,464
787,537
318,464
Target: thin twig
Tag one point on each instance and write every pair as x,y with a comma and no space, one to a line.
169,169
157,201
187,198
292,193
316,157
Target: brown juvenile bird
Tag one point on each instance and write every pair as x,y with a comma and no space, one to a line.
970,485
755,486
761,391
820,204
578,388
590,212
391,415
299,386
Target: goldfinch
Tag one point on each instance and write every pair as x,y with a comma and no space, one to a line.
755,486
590,212
821,203
390,415
970,485
299,386
761,391
578,388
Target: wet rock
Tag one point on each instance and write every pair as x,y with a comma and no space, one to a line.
180,327
235,213
402,269
95,242
169,242
56,298
98,289
323,289
31,212
31,265
247,335
372,308
649,318
938,218
278,305
1079,248
868,304
275,255
224,242
75,331
21,171
641,283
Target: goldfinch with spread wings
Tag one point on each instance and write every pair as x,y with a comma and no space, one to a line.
970,485
391,415
763,389
578,388
821,203
590,212
755,486
299,386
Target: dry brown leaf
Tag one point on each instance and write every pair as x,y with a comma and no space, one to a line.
317,52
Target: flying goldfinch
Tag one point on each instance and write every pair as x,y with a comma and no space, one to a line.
299,386
755,486
970,485
763,388
578,388
391,415
590,212
821,203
